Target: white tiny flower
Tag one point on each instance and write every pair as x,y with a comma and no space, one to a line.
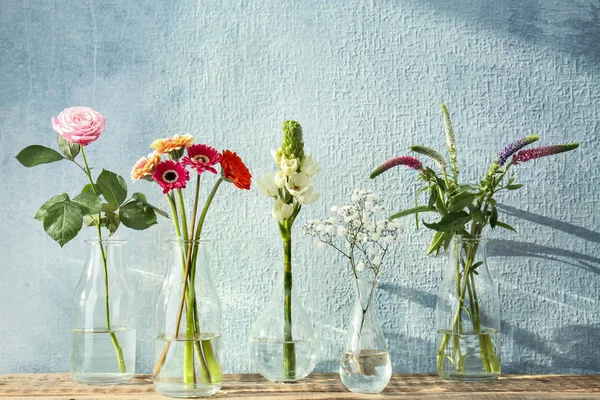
356,223
329,229
375,236
334,209
389,239
267,186
282,211
298,184
368,205
309,167
309,197
360,236
342,231
360,266
381,224
280,180
331,220
376,261
289,166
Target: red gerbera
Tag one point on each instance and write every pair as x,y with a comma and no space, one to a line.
171,175
201,158
234,170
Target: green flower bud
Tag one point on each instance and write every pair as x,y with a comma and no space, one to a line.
293,144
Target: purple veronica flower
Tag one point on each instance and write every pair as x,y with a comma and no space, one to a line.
515,146
532,154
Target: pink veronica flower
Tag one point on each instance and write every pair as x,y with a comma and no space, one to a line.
407,161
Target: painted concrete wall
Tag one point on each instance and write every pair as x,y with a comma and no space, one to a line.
365,78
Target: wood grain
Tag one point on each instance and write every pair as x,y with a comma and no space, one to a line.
317,387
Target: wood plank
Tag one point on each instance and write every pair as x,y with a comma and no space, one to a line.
317,387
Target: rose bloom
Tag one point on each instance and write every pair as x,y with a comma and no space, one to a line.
81,125
144,167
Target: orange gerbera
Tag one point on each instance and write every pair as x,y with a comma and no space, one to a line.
172,145
234,170
144,167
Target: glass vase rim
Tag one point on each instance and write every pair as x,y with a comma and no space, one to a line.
179,241
367,280
105,239
471,238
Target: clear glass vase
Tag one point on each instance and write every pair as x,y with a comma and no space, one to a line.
365,366
468,315
187,330
278,353
103,318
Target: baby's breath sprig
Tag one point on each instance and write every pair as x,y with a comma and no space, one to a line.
355,232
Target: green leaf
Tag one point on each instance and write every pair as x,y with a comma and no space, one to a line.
108,208
462,200
137,215
451,222
436,242
474,266
112,222
44,208
91,220
494,217
70,150
88,202
433,197
413,211
113,187
477,214
505,226
514,187
63,221
90,189
448,239
140,197
35,155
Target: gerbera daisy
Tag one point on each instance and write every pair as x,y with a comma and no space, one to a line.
173,147
201,158
234,170
171,175
144,167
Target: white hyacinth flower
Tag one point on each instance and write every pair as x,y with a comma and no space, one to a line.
282,211
267,186
309,196
298,184
289,166
309,166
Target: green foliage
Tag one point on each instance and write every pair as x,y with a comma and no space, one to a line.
70,150
53,200
113,187
34,155
88,202
137,215
62,221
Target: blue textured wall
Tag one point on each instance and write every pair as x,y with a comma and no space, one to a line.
365,78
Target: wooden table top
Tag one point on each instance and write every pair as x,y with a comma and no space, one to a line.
316,386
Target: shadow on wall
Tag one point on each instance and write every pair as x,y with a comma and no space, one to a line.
571,27
571,349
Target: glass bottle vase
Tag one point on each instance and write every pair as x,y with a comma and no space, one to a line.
280,354
468,315
365,366
187,325
103,318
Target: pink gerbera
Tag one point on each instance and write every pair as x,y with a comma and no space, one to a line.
201,158
171,175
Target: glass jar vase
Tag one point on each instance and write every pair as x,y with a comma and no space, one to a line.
187,327
468,315
365,366
103,318
283,344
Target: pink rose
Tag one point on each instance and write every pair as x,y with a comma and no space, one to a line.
81,125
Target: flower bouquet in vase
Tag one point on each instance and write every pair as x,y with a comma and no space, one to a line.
363,239
187,329
103,307
283,344
468,306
